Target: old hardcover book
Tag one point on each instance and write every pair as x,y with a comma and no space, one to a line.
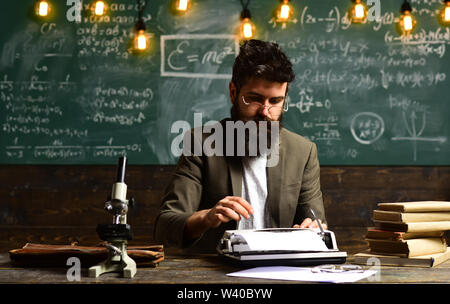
409,217
408,248
373,233
422,206
430,260
413,227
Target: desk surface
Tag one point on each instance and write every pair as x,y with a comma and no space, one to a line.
203,269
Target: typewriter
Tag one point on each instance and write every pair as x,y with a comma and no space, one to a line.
281,246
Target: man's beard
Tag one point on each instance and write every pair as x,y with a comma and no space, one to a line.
260,121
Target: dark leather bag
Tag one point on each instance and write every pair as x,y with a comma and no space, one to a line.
44,255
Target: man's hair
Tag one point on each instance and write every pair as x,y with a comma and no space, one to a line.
263,60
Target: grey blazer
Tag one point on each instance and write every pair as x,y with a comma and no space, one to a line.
199,182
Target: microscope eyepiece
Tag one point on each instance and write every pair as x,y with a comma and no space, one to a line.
121,169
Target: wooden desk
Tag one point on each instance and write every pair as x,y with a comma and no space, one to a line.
205,269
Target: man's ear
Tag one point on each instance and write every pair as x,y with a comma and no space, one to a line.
233,91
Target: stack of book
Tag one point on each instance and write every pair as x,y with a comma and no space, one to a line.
408,234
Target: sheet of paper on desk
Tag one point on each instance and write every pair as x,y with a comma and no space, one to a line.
302,240
301,274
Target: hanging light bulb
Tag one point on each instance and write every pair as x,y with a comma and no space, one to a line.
284,11
99,8
444,16
358,12
407,21
42,8
141,41
247,28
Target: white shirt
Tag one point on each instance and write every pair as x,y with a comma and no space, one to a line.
254,191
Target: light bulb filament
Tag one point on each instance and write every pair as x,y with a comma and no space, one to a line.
182,5
140,40
43,8
447,13
247,30
359,11
284,11
407,23
99,8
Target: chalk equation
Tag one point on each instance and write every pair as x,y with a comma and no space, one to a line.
323,128
306,101
69,152
367,127
198,55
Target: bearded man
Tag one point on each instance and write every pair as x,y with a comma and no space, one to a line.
209,194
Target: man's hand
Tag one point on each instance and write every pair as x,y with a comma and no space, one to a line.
227,209
309,223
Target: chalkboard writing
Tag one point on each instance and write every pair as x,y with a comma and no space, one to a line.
73,93
181,62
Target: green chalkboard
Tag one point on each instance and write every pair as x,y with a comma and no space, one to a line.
72,93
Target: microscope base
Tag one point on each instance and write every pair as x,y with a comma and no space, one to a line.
116,262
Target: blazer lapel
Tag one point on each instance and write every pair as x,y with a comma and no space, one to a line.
235,169
274,180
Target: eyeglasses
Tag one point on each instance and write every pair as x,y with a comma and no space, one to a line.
255,103
337,268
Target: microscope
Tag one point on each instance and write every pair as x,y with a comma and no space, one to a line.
119,232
